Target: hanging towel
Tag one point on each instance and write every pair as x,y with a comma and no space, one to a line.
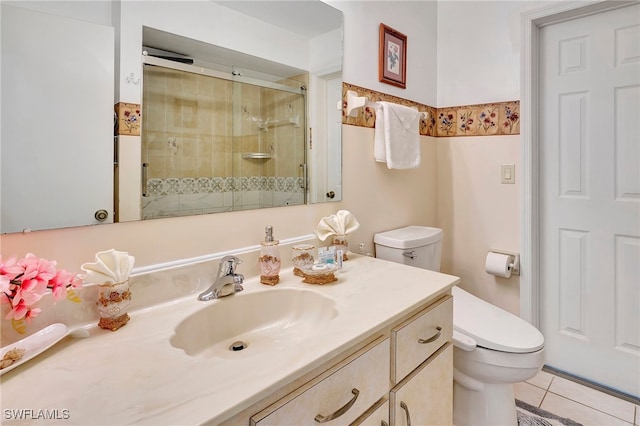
397,136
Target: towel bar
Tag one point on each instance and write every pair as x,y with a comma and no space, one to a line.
355,102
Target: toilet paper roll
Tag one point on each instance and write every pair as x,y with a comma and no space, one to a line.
498,264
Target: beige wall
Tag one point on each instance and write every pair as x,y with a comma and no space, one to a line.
379,198
478,213
384,199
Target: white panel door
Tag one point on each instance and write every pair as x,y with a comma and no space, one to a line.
57,120
590,195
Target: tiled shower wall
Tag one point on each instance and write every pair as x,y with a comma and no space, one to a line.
194,148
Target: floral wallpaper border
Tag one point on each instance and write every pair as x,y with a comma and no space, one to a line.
500,118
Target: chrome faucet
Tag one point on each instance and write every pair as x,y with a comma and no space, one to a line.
227,282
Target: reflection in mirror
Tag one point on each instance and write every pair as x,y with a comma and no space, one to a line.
215,141
67,150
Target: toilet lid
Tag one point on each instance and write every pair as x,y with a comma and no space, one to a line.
492,327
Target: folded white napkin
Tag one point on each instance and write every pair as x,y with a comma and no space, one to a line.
111,266
397,136
341,223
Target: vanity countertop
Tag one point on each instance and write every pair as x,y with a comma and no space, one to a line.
135,375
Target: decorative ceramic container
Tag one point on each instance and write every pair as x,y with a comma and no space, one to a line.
269,259
302,257
113,303
269,263
320,273
341,244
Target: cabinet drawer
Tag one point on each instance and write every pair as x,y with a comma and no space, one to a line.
349,388
425,397
378,415
413,341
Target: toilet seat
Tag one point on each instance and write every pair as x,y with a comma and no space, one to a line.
492,327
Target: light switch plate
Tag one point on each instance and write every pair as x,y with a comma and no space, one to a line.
508,173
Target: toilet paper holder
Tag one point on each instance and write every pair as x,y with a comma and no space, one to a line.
514,264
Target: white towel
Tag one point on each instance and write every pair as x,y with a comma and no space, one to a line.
397,136
341,223
111,267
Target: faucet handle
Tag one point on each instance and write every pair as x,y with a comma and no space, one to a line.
228,264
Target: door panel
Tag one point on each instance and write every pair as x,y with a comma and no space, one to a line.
590,196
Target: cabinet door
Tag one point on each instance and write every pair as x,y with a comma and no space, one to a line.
338,398
425,397
57,120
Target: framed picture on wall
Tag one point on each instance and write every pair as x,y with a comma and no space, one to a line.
393,57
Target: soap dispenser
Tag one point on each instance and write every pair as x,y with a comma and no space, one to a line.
269,259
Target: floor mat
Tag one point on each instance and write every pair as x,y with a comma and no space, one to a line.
528,415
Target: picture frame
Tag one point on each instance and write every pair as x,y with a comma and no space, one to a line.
393,57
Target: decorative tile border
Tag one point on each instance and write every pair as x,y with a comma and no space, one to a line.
206,185
500,118
128,119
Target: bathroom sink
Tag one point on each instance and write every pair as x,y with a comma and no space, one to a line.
246,323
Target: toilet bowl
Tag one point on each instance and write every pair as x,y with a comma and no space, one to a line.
493,349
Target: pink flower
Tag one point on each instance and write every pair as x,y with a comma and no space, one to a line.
10,268
22,311
38,269
30,292
23,283
5,286
61,281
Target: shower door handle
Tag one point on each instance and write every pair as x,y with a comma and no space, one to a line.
145,166
304,176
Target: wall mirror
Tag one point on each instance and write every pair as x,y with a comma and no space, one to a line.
63,149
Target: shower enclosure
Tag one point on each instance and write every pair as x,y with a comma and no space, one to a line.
215,142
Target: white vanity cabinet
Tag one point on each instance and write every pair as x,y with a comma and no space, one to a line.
403,377
422,368
351,349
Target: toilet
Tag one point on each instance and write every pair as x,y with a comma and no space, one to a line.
493,349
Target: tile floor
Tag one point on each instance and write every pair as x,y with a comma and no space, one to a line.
577,402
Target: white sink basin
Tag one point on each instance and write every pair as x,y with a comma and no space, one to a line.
276,318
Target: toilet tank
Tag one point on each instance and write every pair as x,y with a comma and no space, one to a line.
418,246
